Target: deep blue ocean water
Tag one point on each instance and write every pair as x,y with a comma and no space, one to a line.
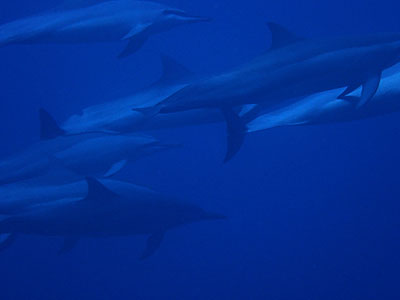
313,212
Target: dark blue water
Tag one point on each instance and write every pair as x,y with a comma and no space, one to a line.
313,211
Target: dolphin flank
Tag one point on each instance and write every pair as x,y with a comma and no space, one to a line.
105,213
108,21
294,67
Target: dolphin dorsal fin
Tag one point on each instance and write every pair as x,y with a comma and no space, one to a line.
97,192
172,71
49,128
281,36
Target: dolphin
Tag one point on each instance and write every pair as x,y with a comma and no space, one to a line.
70,156
324,107
109,21
294,67
105,213
24,196
117,115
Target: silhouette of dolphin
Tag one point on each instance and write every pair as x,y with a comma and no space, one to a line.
109,21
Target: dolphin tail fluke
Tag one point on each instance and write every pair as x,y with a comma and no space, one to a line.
133,45
6,240
153,243
68,245
236,131
369,89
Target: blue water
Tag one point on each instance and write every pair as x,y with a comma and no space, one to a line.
313,212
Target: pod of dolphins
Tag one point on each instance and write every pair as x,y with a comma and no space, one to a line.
61,186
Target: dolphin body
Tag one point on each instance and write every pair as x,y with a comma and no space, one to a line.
105,213
24,196
72,155
117,115
119,20
294,67
326,108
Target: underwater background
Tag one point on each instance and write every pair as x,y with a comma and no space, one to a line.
313,212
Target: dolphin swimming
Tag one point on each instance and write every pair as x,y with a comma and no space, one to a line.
63,155
105,213
326,108
117,115
108,21
294,67
23,196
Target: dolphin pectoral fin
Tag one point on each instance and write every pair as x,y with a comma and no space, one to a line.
139,29
68,245
236,130
134,45
369,89
6,240
115,168
97,192
246,109
49,128
348,90
153,243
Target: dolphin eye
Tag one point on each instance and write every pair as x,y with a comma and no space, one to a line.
174,12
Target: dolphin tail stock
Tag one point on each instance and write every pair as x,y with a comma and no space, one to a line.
153,243
6,240
236,130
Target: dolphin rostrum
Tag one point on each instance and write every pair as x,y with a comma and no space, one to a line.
108,21
105,213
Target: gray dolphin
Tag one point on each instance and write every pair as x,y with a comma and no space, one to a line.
293,68
117,115
105,213
326,108
109,21
30,194
70,156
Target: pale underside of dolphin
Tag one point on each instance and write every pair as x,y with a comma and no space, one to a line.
293,68
326,108
105,213
108,21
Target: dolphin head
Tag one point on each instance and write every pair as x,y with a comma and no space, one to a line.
173,17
